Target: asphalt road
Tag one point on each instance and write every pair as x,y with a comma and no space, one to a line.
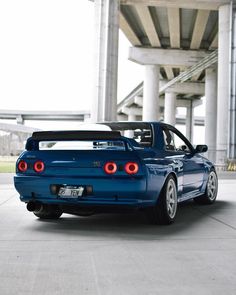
119,254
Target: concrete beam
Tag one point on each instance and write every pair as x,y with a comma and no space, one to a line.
169,73
183,103
147,22
199,28
196,77
196,103
138,100
13,128
214,43
128,31
194,88
131,111
180,103
44,115
165,57
188,4
174,27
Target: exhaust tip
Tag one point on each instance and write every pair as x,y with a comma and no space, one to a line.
33,206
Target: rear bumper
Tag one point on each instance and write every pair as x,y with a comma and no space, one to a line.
115,191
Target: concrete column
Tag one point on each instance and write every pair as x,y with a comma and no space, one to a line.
106,60
211,112
170,108
232,106
223,85
87,118
190,122
19,120
151,93
131,118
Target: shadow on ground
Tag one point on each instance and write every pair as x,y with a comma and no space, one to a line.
135,225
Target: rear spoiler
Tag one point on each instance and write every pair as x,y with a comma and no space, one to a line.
75,135
33,142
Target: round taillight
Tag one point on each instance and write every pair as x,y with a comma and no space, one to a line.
110,168
39,166
22,166
131,168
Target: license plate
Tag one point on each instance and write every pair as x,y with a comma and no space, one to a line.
71,192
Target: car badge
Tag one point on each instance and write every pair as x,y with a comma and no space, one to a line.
96,164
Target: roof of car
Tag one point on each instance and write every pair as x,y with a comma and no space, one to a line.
132,124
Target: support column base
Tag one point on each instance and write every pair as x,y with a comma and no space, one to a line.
221,160
211,155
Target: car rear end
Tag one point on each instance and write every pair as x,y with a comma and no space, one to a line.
81,169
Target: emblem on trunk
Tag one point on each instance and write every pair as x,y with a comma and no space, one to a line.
96,164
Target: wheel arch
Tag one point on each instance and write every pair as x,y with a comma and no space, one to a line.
171,173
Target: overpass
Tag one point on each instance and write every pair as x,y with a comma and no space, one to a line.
176,41
182,45
16,128
21,115
124,108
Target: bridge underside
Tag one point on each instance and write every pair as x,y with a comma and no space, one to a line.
184,48
187,49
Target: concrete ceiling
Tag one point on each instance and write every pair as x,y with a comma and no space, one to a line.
171,24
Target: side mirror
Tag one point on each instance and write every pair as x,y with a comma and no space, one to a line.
201,148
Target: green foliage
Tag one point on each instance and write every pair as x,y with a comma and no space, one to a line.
7,167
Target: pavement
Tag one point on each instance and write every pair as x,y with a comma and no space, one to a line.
119,254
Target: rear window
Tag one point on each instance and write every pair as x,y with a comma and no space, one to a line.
83,145
141,132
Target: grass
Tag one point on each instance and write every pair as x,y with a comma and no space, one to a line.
7,167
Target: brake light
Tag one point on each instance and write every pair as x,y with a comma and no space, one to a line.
39,166
110,168
22,166
131,168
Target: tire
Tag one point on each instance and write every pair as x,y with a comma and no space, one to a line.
48,212
210,194
164,212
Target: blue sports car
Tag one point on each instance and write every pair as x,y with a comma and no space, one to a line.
124,165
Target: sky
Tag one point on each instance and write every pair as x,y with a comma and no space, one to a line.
47,57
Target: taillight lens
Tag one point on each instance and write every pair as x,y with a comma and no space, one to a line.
22,166
110,168
131,168
39,166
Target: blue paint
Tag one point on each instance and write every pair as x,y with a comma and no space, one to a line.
85,168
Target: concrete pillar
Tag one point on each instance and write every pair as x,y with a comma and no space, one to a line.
223,85
170,108
106,60
151,93
232,106
87,118
131,118
19,120
190,122
211,111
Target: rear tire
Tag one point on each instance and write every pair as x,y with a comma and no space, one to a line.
164,212
210,194
49,212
